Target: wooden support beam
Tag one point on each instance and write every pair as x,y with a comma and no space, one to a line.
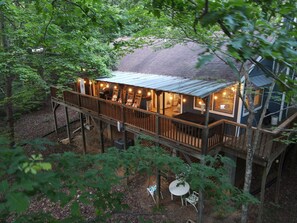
83,133
158,93
158,176
54,108
67,124
101,136
263,187
279,174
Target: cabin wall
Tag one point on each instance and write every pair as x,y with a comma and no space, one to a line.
275,102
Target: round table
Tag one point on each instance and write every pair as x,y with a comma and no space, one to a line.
179,188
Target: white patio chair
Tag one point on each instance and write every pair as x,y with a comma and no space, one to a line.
152,190
193,199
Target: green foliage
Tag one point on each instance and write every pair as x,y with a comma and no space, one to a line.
213,179
44,43
63,178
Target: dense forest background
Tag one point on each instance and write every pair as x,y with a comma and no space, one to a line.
44,43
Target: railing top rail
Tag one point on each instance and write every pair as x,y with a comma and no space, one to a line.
285,124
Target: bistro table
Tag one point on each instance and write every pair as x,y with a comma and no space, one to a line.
179,188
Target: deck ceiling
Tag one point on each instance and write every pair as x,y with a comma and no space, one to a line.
179,85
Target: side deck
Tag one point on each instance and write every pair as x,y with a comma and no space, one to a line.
187,137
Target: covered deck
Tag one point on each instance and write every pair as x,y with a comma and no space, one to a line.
185,136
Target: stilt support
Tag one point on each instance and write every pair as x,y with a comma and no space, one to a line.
67,124
54,107
279,174
263,187
83,133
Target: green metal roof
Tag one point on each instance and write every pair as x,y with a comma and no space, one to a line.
193,87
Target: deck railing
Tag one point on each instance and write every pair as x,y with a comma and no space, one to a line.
223,132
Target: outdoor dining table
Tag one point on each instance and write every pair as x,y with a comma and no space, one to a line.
179,188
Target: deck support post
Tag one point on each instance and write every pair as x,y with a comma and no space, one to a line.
55,107
158,184
83,132
67,124
263,187
101,137
109,134
158,93
279,175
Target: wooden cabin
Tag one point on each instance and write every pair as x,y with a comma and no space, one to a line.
191,111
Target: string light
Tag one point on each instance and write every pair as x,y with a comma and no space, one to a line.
149,93
215,97
115,87
130,89
171,98
101,85
139,91
107,85
184,100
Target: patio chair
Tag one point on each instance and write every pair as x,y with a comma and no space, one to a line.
193,199
152,190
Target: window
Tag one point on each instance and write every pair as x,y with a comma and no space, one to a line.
221,102
258,98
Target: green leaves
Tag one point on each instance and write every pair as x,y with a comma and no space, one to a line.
17,202
204,59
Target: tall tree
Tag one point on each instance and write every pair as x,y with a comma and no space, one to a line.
45,42
237,32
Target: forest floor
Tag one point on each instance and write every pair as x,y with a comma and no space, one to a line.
40,124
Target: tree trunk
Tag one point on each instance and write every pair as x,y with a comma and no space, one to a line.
9,110
252,143
248,164
8,105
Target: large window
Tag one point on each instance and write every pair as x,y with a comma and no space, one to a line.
221,102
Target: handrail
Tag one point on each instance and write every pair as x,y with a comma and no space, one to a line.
285,124
220,132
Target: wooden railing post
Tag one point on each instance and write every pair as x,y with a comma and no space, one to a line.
157,115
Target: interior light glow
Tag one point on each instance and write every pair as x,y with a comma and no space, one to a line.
149,93
184,100
130,89
215,97
139,91
107,85
115,87
101,85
